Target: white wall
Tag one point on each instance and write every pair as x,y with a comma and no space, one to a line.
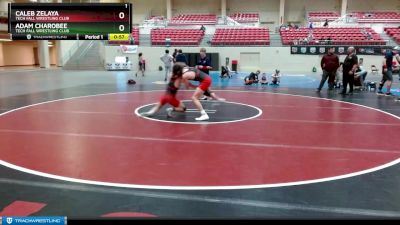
4,27
362,5
203,6
268,10
295,10
110,52
4,5
270,57
144,8
3,13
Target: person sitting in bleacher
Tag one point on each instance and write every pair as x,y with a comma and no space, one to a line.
203,28
310,25
326,23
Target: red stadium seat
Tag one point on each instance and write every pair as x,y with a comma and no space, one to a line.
241,36
190,37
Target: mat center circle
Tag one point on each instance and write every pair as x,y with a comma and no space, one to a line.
219,112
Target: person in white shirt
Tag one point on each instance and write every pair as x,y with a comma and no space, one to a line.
167,59
264,79
276,77
361,73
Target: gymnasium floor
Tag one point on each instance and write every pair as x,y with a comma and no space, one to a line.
72,144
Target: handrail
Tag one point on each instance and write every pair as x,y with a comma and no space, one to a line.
66,56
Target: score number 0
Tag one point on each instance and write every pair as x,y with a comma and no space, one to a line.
121,15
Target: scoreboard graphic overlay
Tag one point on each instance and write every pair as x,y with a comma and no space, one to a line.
68,21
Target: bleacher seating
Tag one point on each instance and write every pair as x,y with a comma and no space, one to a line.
322,16
245,17
134,34
376,17
190,37
241,36
338,36
197,19
393,32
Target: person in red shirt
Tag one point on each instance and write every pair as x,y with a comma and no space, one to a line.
329,65
204,80
170,95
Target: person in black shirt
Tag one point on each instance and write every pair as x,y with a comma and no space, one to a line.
350,65
203,28
204,63
252,78
180,57
225,71
174,54
326,23
387,69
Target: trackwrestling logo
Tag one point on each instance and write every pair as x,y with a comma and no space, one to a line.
16,220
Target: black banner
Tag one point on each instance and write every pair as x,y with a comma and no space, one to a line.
340,50
59,37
